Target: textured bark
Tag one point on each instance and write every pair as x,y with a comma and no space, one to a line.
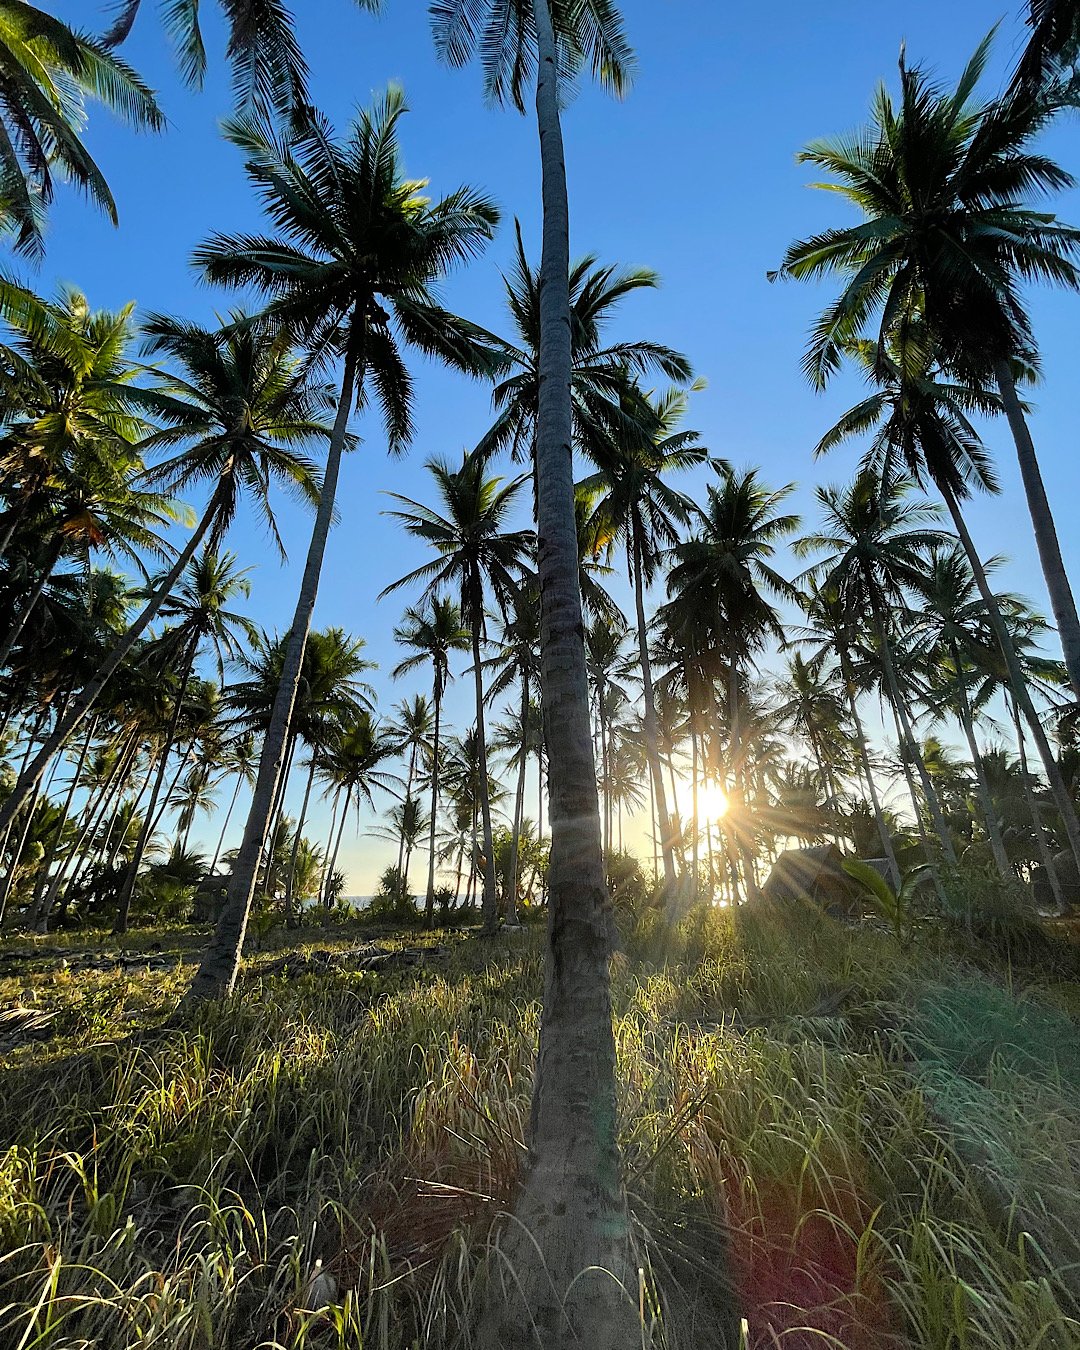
652,734
216,976
565,1272
1042,518
80,708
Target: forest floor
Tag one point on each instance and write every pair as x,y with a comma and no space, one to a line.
830,1142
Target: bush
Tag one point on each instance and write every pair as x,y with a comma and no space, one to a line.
392,901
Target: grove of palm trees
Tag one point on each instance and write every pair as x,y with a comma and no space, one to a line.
528,817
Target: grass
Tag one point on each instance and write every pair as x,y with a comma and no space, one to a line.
837,1143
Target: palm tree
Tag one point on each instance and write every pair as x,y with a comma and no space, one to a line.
941,183
350,274
642,510
477,555
413,728
432,634
876,538
240,366
1053,47
922,420
350,764
571,1204
608,665
719,587
48,73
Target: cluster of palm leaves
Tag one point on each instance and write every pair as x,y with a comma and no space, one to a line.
735,707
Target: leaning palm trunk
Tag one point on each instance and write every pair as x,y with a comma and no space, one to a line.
488,908
888,851
568,1268
993,829
652,735
80,708
216,976
1021,694
429,900
45,890
1046,537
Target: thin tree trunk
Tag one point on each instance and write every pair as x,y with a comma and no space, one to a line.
19,622
967,721
569,1258
225,826
519,806
429,899
694,822
489,907
888,851
1041,845
337,845
745,853
217,974
652,734
80,708
1064,802
39,913
149,821
1057,582
290,876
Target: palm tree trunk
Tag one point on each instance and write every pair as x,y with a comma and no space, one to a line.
888,851
80,708
290,876
39,913
489,907
1041,845
1062,800
967,721
324,886
1046,537
519,807
337,844
12,635
694,822
429,899
745,852
569,1251
225,826
652,734
216,976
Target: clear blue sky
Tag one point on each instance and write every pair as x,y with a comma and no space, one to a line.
692,175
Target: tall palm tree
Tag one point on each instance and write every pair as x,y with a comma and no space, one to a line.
269,70
432,634
242,366
644,512
942,183
350,763
413,728
350,274
477,555
48,73
920,422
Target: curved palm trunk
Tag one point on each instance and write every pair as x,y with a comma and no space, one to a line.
488,907
967,721
290,876
888,852
569,1252
220,965
79,710
429,900
45,890
652,734
150,818
1022,695
12,635
1046,538
910,747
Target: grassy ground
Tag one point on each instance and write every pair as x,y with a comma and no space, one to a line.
848,1144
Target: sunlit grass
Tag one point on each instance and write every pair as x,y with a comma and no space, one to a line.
842,1144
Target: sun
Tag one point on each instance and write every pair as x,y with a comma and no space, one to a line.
712,801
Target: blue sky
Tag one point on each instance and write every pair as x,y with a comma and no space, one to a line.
693,175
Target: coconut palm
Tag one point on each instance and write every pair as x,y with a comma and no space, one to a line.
413,728
1052,49
942,183
477,556
49,72
643,512
350,763
432,633
269,70
571,1203
240,366
350,274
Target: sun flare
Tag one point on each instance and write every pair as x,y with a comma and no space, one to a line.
712,801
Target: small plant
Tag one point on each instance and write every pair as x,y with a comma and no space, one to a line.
392,900
895,906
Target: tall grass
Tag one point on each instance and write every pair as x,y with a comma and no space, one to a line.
828,1141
